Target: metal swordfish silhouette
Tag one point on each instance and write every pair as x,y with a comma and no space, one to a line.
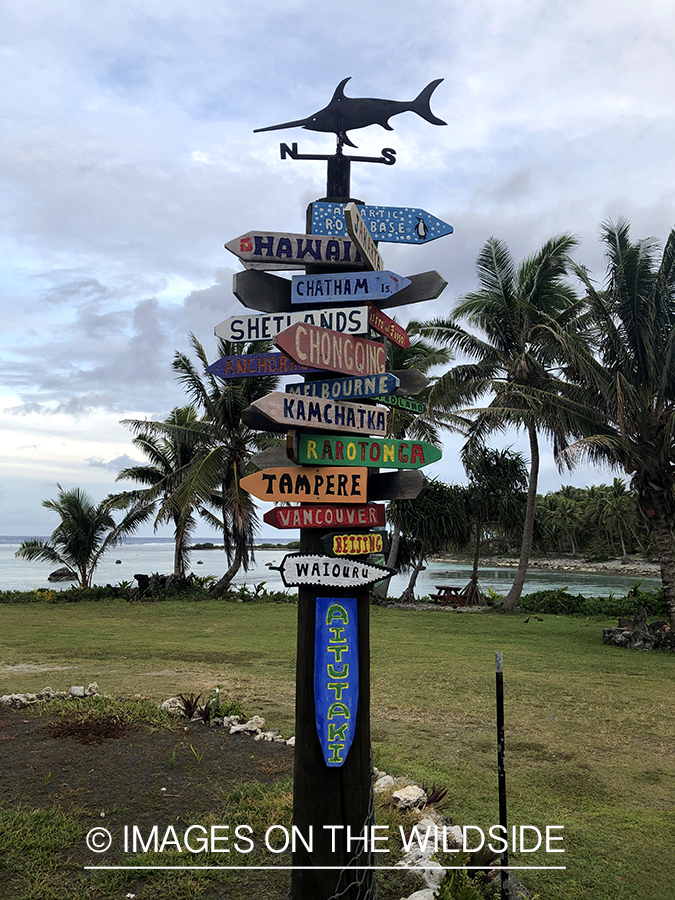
343,113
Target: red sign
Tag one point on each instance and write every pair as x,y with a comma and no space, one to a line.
334,351
365,516
387,326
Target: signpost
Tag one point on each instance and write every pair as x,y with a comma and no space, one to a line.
396,224
406,485
362,238
413,406
323,349
383,453
264,250
347,320
346,388
326,415
257,365
340,544
313,485
342,288
387,326
368,515
300,568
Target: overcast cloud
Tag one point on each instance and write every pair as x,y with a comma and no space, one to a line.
127,159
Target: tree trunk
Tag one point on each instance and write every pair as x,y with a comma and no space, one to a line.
408,595
513,596
474,595
624,555
664,545
180,554
221,586
382,589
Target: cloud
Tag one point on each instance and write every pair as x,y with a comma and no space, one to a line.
115,465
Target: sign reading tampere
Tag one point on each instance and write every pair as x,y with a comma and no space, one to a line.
384,453
339,288
298,568
322,414
257,364
262,249
397,224
323,349
336,676
347,320
346,388
365,516
319,485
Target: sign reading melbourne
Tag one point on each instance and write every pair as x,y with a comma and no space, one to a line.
336,676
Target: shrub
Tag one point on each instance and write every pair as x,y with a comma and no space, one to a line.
559,602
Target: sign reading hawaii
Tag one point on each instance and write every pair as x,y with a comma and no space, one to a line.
336,676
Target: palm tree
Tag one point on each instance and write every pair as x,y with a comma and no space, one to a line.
632,384
170,455
86,531
523,325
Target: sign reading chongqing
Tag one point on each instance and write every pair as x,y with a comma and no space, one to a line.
259,249
341,288
318,485
368,515
382,453
320,348
350,320
330,415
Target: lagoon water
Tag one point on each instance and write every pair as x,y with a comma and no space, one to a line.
156,555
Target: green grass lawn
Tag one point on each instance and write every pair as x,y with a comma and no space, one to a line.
590,733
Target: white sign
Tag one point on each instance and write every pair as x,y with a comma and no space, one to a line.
349,320
297,569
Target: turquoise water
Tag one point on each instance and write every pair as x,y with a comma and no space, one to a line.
18,574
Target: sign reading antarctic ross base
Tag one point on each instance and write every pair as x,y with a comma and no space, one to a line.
397,224
365,516
336,676
350,320
338,288
322,485
320,348
331,415
385,453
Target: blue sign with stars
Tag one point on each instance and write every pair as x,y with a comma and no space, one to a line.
396,224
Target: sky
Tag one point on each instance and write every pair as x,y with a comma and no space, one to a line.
127,160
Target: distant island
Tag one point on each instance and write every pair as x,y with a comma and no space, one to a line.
291,545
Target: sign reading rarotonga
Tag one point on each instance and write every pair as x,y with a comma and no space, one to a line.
323,349
366,516
386,326
339,288
336,676
264,250
359,233
341,544
346,388
396,224
298,568
257,365
414,406
316,485
382,453
328,415
347,320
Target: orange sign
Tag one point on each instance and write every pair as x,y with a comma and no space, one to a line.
309,484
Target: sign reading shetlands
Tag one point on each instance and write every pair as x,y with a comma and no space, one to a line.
336,676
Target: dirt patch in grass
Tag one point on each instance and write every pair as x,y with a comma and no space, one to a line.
89,731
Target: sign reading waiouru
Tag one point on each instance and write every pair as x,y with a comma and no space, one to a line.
382,453
339,288
323,349
330,415
336,676
299,568
257,364
346,388
259,249
366,516
350,320
316,485
397,224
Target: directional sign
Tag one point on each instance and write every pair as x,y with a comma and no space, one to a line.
386,326
318,485
413,406
269,293
313,346
341,544
382,453
297,569
340,288
257,364
263,250
397,224
411,382
359,233
326,415
396,485
346,388
364,516
336,676
347,320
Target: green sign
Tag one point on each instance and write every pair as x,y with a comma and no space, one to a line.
406,403
375,453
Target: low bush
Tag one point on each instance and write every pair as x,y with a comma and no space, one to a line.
560,602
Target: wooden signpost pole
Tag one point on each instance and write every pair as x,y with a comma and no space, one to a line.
323,795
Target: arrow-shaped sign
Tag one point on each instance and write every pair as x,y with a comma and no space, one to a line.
340,544
326,415
269,293
272,250
257,365
413,406
386,326
396,224
366,515
346,388
347,320
361,236
324,349
297,569
335,287
375,453
300,483
411,381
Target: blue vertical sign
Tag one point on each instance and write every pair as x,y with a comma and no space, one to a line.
336,676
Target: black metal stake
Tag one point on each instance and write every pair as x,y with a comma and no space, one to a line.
501,770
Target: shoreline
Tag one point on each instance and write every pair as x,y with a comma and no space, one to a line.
641,568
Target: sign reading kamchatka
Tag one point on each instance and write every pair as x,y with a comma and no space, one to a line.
336,676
